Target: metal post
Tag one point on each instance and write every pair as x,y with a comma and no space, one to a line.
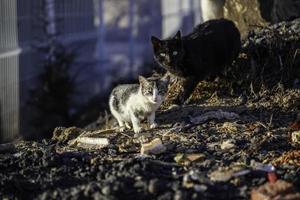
50,13
9,71
132,32
192,12
100,53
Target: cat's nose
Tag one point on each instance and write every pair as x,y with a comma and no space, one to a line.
155,98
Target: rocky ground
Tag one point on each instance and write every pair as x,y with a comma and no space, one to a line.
230,139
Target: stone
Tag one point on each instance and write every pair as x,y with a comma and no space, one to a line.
154,147
278,190
295,138
228,144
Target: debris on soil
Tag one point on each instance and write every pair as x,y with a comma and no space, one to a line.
228,144
295,126
89,142
253,123
295,137
154,147
187,159
219,115
63,134
270,55
221,175
231,127
290,157
278,190
225,174
263,167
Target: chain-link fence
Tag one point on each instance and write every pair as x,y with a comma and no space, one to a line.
110,38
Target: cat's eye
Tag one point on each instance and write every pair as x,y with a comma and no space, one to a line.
175,53
147,92
162,54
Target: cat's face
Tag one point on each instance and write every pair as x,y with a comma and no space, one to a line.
168,53
154,90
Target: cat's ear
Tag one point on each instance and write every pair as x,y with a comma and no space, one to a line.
142,80
155,42
177,36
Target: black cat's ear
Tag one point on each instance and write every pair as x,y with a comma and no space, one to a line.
155,42
177,36
166,78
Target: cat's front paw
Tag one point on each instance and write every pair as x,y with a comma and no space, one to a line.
153,125
137,130
122,129
127,125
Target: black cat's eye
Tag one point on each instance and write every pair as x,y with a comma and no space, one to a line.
175,53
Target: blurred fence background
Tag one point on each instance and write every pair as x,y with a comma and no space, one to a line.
110,38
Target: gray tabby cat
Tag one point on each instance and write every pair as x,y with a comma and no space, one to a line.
131,103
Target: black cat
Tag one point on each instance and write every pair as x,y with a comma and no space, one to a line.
204,52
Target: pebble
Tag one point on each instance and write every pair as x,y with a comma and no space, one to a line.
228,144
106,190
200,188
155,186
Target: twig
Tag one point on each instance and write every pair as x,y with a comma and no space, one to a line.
271,121
125,135
262,124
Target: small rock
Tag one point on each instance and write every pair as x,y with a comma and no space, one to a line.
90,142
219,114
187,159
112,152
106,190
278,190
179,195
153,147
139,184
222,176
200,188
228,144
155,186
212,145
229,127
295,137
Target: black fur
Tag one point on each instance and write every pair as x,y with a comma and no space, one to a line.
204,52
122,93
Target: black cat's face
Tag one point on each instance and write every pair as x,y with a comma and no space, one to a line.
168,53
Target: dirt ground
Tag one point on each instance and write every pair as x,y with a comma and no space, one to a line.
233,133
